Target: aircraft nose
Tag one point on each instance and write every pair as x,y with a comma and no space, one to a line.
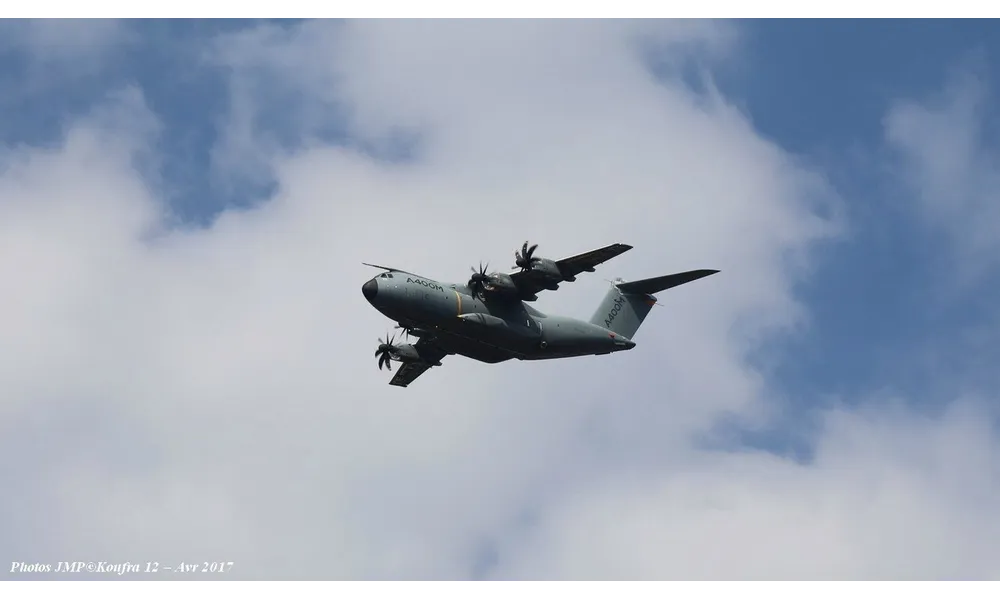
369,289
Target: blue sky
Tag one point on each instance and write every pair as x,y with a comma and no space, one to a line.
887,319
822,89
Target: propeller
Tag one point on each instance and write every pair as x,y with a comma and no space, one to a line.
479,280
524,258
385,351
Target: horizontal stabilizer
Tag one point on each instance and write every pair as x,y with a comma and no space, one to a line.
658,284
627,303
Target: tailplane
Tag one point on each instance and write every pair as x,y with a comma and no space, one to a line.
628,302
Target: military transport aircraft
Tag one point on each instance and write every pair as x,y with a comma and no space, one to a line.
486,318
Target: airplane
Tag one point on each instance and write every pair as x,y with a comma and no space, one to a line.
488,318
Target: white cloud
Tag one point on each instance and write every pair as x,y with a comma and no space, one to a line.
236,411
952,165
888,496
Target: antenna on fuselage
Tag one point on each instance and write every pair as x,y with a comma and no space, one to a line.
393,269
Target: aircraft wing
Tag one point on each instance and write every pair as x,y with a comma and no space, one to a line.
529,283
408,372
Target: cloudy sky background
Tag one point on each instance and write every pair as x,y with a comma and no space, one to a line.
186,371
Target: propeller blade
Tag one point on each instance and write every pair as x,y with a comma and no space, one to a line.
525,258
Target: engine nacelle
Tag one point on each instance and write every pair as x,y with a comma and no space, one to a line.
548,269
406,353
502,283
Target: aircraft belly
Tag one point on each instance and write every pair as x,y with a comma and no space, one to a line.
477,331
565,337
468,317
471,348
496,332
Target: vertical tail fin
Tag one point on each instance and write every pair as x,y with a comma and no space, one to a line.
627,303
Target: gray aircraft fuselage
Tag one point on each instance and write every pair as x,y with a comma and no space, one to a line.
489,331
